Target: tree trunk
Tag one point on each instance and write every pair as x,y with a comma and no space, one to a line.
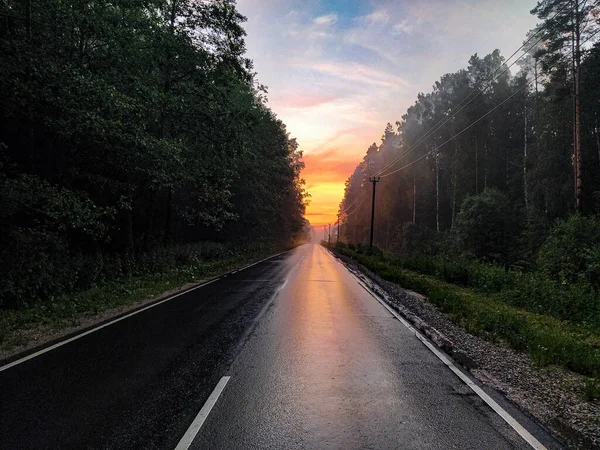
485,172
28,19
167,73
388,232
414,211
149,222
576,69
476,166
437,191
129,231
28,71
535,75
454,181
597,133
525,193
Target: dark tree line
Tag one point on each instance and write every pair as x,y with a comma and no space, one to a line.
513,145
132,125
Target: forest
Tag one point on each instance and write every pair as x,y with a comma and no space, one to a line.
134,137
487,194
484,164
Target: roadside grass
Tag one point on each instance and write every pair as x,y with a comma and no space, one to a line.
16,325
547,339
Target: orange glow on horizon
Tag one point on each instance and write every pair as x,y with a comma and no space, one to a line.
326,173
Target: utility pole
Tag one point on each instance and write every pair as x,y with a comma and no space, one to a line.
338,228
329,235
373,180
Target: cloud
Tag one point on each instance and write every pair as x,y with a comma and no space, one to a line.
332,166
357,73
339,71
378,17
403,28
329,19
299,101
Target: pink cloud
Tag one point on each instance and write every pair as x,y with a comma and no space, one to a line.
299,101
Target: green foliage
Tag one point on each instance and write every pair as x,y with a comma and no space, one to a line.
485,226
548,340
536,292
127,128
488,179
591,389
417,239
340,245
176,267
572,251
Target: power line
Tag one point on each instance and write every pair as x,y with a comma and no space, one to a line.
527,84
373,180
466,128
447,119
459,133
342,210
591,36
358,207
477,93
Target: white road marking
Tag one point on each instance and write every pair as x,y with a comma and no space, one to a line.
283,285
194,428
137,311
258,262
510,420
104,325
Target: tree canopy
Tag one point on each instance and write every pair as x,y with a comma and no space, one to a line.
486,128
131,125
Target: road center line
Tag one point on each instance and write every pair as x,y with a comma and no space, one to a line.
510,420
194,428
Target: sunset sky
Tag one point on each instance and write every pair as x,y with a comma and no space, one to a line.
339,70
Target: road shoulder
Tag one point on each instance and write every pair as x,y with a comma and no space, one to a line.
132,295
550,395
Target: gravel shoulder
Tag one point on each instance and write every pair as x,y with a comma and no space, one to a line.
550,394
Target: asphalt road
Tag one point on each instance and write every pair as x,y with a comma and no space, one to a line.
314,361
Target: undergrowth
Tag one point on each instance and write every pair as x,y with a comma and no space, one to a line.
498,313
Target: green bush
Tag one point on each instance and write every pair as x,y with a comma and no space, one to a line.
485,226
496,316
417,240
45,268
572,250
340,245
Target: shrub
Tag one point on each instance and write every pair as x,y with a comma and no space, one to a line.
485,227
417,240
340,245
572,250
45,267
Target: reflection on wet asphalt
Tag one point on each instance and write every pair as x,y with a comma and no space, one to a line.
315,363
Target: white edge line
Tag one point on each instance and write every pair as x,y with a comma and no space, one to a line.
137,311
510,420
104,325
194,428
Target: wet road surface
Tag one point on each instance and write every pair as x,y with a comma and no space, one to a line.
314,361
